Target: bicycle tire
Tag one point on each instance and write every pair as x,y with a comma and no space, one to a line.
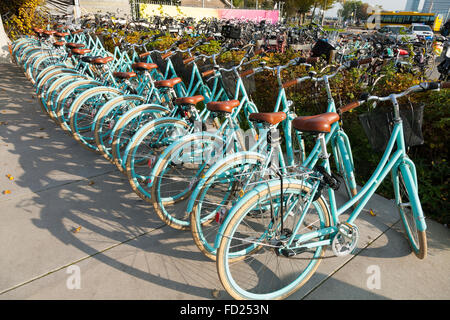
83,110
138,180
246,268
169,191
103,126
122,133
410,209
65,98
206,214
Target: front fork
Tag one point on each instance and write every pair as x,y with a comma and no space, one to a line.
408,170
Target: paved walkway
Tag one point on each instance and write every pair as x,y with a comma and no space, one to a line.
123,251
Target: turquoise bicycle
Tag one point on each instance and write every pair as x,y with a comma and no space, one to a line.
276,235
154,137
228,178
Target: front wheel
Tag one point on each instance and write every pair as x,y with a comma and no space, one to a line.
410,209
216,194
144,148
82,113
177,173
261,258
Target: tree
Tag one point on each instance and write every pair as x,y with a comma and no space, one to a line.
20,16
297,7
326,5
354,9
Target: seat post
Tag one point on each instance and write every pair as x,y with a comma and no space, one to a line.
323,145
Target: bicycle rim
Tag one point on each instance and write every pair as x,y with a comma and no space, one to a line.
417,239
216,197
265,271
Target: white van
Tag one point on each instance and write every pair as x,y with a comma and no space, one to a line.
422,30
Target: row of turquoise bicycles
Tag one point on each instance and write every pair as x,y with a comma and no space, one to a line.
193,144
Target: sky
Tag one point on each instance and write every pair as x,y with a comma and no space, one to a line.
390,5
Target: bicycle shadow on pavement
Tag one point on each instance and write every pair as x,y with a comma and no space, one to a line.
86,206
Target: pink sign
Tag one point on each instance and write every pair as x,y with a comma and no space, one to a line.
254,15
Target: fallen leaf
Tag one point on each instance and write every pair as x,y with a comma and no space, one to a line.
91,182
215,293
10,177
6,191
373,214
41,128
76,230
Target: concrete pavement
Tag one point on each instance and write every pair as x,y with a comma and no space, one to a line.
71,212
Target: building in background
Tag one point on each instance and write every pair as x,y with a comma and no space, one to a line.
441,7
412,5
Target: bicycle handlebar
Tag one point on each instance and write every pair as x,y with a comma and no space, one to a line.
352,64
424,86
293,62
356,63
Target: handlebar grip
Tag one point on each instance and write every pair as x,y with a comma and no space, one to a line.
145,54
356,63
445,85
350,106
364,96
433,85
259,51
312,60
208,73
246,73
290,83
190,59
167,55
365,61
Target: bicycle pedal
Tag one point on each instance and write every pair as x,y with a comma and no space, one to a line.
288,253
346,239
